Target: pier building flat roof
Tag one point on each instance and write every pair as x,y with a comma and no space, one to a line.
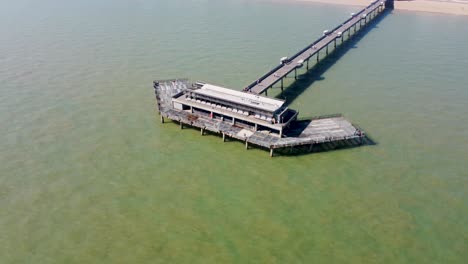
251,100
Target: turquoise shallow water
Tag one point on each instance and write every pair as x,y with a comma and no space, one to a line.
88,175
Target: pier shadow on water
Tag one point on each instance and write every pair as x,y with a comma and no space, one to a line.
304,81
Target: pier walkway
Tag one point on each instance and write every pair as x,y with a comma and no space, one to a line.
355,22
242,116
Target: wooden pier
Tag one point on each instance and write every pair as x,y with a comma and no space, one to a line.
319,49
260,121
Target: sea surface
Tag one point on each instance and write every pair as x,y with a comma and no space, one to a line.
89,175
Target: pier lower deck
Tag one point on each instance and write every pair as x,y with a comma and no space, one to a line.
335,130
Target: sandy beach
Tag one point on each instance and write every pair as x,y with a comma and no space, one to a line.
454,7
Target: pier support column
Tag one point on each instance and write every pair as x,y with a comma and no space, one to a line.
202,131
334,44
266,92
233,121
224,137
271,152
389,4
295,73
282,83
318,55
181,125
246,144
256,127
162,119
326,51
307,65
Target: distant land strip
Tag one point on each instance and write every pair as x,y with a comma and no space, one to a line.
453,7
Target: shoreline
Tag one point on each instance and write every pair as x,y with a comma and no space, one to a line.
449,7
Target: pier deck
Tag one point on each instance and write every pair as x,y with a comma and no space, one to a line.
175,102
301,133
278,73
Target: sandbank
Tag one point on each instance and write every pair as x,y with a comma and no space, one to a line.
453,7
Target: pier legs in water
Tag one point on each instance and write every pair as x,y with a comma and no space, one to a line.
202,131
271,152
389,4
224,137
162,119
